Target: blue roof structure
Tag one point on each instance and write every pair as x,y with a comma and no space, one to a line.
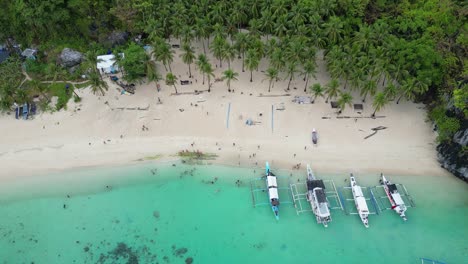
4,55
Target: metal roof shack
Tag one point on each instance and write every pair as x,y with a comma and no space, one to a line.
4,55
29,54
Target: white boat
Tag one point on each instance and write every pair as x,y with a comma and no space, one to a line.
394,197
272,187
317,198
360,201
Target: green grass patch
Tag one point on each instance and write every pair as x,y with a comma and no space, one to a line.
58,89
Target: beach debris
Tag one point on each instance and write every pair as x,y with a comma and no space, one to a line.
181,110
280,107
273,95
302,100
375,129
358,107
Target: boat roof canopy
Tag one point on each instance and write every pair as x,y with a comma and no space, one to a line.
314,184
272,181
358,191
321,197
361,202
392,188
397,198
273,193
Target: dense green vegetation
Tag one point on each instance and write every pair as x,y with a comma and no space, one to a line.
413,49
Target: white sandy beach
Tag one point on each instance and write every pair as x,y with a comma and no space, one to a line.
75,138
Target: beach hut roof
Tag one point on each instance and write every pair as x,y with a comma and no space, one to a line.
107,61
28,53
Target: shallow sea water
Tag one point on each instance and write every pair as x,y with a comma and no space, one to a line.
198,214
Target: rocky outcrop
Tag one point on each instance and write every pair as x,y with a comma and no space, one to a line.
70,58
116,38
453,155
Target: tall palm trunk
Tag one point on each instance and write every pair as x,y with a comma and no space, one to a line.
289,83
345,83
364,99
170,67
175,88
307,82
251,76
399,98
269,86
243,62
203,43
190,71
209,83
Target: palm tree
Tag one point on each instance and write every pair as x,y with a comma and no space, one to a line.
152,74
252,61
229,53
188,56
166,54
333,29
310,68
345,99
390,91
407,90
332,89
36,86
91,58
208,70
202,30
317,90
370,87
202,60
97,84
230,75
291,71
171,79
217,47
380,100
271,74
241,45
277,59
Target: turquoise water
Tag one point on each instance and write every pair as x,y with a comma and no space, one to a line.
199,214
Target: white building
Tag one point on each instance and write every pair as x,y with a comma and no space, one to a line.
106,63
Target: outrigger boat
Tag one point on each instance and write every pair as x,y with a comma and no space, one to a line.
317,198
272,187
360,201
394,197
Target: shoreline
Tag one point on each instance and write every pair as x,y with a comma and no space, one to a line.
238,156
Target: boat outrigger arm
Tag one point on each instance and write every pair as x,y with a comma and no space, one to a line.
272,187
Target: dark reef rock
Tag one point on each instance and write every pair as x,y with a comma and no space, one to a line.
189,260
